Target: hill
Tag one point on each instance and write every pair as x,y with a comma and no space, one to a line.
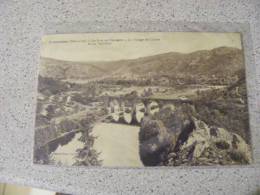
220,62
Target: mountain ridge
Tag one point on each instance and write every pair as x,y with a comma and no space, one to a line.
222,61
121,60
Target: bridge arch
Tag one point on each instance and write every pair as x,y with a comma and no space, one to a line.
114,109
140,110
128,109
153,107
131,111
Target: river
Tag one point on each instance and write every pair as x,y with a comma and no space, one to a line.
118,144
66,154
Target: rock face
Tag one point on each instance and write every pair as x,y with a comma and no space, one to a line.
154,142
210,145
195,143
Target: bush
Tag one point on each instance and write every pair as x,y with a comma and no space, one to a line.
238,156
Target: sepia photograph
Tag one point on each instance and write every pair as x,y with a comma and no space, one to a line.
139,99
12,189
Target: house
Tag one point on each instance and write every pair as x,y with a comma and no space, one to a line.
164,80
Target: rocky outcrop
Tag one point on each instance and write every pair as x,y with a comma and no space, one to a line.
193,142
210,145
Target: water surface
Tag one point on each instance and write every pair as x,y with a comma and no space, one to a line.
118,144
66,154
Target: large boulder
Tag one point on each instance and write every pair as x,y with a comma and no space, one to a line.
207,145
154,141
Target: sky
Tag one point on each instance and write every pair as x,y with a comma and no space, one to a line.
118,46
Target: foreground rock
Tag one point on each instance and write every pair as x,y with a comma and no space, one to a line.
208,146
192,142
155,141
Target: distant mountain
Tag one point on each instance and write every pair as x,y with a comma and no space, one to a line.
221,62
67,69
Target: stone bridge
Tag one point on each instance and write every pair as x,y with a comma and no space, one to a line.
131,110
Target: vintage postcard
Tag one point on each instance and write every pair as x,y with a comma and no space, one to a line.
11,189
142,99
